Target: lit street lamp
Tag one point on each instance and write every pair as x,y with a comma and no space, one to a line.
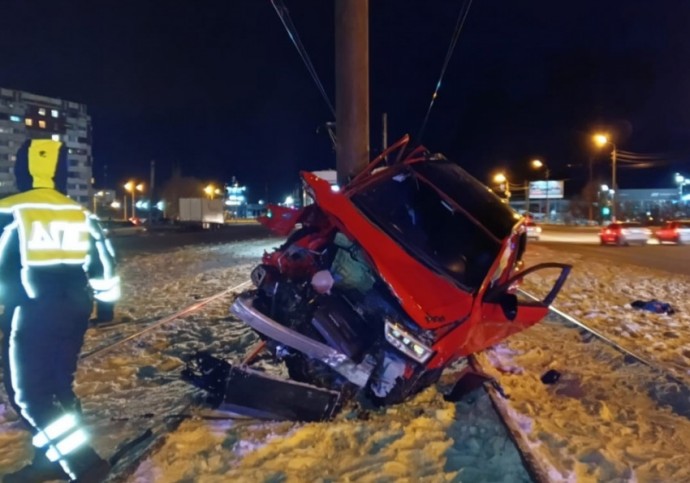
502,179
115,205
602,140
681,181
539,164
98,194
132,188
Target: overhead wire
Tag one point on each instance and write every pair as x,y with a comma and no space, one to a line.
291,30
462,16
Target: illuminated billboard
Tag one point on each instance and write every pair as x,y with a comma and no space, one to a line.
540,190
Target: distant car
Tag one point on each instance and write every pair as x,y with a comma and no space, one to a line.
677,231
624,233
533,230
121,227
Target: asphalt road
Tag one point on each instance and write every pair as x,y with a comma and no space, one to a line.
670,258
158,240
584,241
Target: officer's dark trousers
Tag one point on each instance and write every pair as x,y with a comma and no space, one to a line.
40,353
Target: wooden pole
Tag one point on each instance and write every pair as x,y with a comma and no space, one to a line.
352,87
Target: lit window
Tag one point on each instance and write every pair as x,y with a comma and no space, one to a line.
54,113
28,121
55,137
42,112
15,119
13,158
42,124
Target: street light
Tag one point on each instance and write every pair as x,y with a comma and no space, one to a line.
681,181
539,164
209,190
501,178
98,194
602,140
132,188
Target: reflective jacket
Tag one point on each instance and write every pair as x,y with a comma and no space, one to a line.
48,242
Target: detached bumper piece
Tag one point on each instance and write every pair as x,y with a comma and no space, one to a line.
357,374
256,394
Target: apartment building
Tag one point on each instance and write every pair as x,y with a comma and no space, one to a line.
29,116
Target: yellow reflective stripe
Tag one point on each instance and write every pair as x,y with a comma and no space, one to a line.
43,159
51,235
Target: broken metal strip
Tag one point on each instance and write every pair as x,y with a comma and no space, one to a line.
355,373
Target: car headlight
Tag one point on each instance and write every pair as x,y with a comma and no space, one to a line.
406,343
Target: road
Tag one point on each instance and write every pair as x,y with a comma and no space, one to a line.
585,241
161,240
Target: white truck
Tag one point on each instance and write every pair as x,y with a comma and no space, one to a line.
201,211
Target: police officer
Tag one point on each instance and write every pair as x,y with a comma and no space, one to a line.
53,260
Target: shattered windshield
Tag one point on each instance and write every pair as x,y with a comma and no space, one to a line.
470,194
431,228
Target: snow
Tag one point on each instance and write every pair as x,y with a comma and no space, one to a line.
601,421
605,419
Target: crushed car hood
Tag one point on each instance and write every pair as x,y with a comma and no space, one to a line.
431,299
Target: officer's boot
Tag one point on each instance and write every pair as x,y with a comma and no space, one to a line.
87,466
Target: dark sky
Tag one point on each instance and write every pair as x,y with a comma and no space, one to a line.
217,87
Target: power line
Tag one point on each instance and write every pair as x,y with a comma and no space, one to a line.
285,19
462,16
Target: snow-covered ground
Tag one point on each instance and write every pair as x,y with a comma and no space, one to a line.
599,422
602,421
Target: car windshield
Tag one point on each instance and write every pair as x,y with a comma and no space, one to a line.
631,225
460,242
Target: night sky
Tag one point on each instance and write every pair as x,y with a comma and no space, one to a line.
217,88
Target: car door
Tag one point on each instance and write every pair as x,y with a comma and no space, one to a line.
501,308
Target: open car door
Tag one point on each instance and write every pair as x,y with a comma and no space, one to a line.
506,311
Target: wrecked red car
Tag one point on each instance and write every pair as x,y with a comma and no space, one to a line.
384,283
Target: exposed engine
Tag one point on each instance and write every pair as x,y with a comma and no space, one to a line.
323,286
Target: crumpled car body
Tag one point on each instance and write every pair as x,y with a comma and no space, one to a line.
382,284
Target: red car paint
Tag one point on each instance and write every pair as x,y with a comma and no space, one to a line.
463,321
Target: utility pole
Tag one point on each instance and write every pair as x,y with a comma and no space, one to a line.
590,188
613,182
526,197
384,140
351,87
548,208
153,186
